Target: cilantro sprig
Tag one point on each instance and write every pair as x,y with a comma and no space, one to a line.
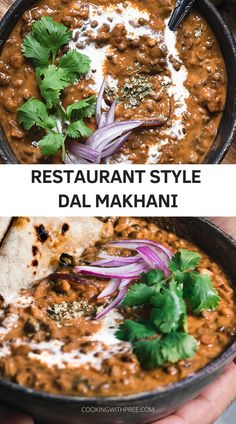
53,75
163,337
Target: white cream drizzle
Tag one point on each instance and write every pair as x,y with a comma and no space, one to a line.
127,14
51,353
124,13
176,88
10,321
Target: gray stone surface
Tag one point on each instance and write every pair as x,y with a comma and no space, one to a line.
229,416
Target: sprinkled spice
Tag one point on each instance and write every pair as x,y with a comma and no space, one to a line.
66,311
135,90
198,32
111,92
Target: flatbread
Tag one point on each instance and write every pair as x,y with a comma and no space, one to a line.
32,248
4,224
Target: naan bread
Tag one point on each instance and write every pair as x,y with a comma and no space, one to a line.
4,224
32,248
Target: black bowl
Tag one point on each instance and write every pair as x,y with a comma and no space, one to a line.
51,409
226,41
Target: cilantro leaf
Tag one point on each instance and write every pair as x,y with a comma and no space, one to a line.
169,312
51,34
130,330
176,346
74,64
138,294
51,81
184,260
152,277
78,129
34,50
51,143
171,348
85,108
34,112
199,292
149,353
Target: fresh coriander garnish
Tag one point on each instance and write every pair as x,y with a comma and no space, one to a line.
41,46
199,292
132,330
168,349
169,310
164,338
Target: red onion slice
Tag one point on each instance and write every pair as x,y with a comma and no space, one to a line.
71,159
99,102
115,145
114,303
111,288
111,113
103,120
117,261
100,138
127,271
153,259
133,244
85,151
125,283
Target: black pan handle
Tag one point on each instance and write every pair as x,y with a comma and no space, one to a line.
181,9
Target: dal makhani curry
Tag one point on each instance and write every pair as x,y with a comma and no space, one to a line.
139,309
167,88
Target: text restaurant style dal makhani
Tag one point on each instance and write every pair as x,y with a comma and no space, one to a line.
137,310
108,82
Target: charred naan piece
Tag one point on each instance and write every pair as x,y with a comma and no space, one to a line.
4,226
32,248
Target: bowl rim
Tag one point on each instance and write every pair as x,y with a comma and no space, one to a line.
217,363
216,154
220,151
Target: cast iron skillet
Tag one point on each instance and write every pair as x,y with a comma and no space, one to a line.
227,126
52,409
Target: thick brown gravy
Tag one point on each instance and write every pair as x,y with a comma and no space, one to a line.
152,77
49,340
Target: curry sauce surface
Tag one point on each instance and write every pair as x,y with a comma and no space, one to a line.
140,68
50,341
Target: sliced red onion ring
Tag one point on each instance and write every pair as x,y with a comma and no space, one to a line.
105,135
117,261
114,303
103,120
133,244
111,288
125,283
111,113
99,102
115,146
153,259
85,151
71,159
127,271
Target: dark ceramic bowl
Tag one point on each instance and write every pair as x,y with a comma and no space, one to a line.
51,409
226,41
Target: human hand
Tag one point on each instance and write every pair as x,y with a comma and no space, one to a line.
217,397
10,416
228,225
210,404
